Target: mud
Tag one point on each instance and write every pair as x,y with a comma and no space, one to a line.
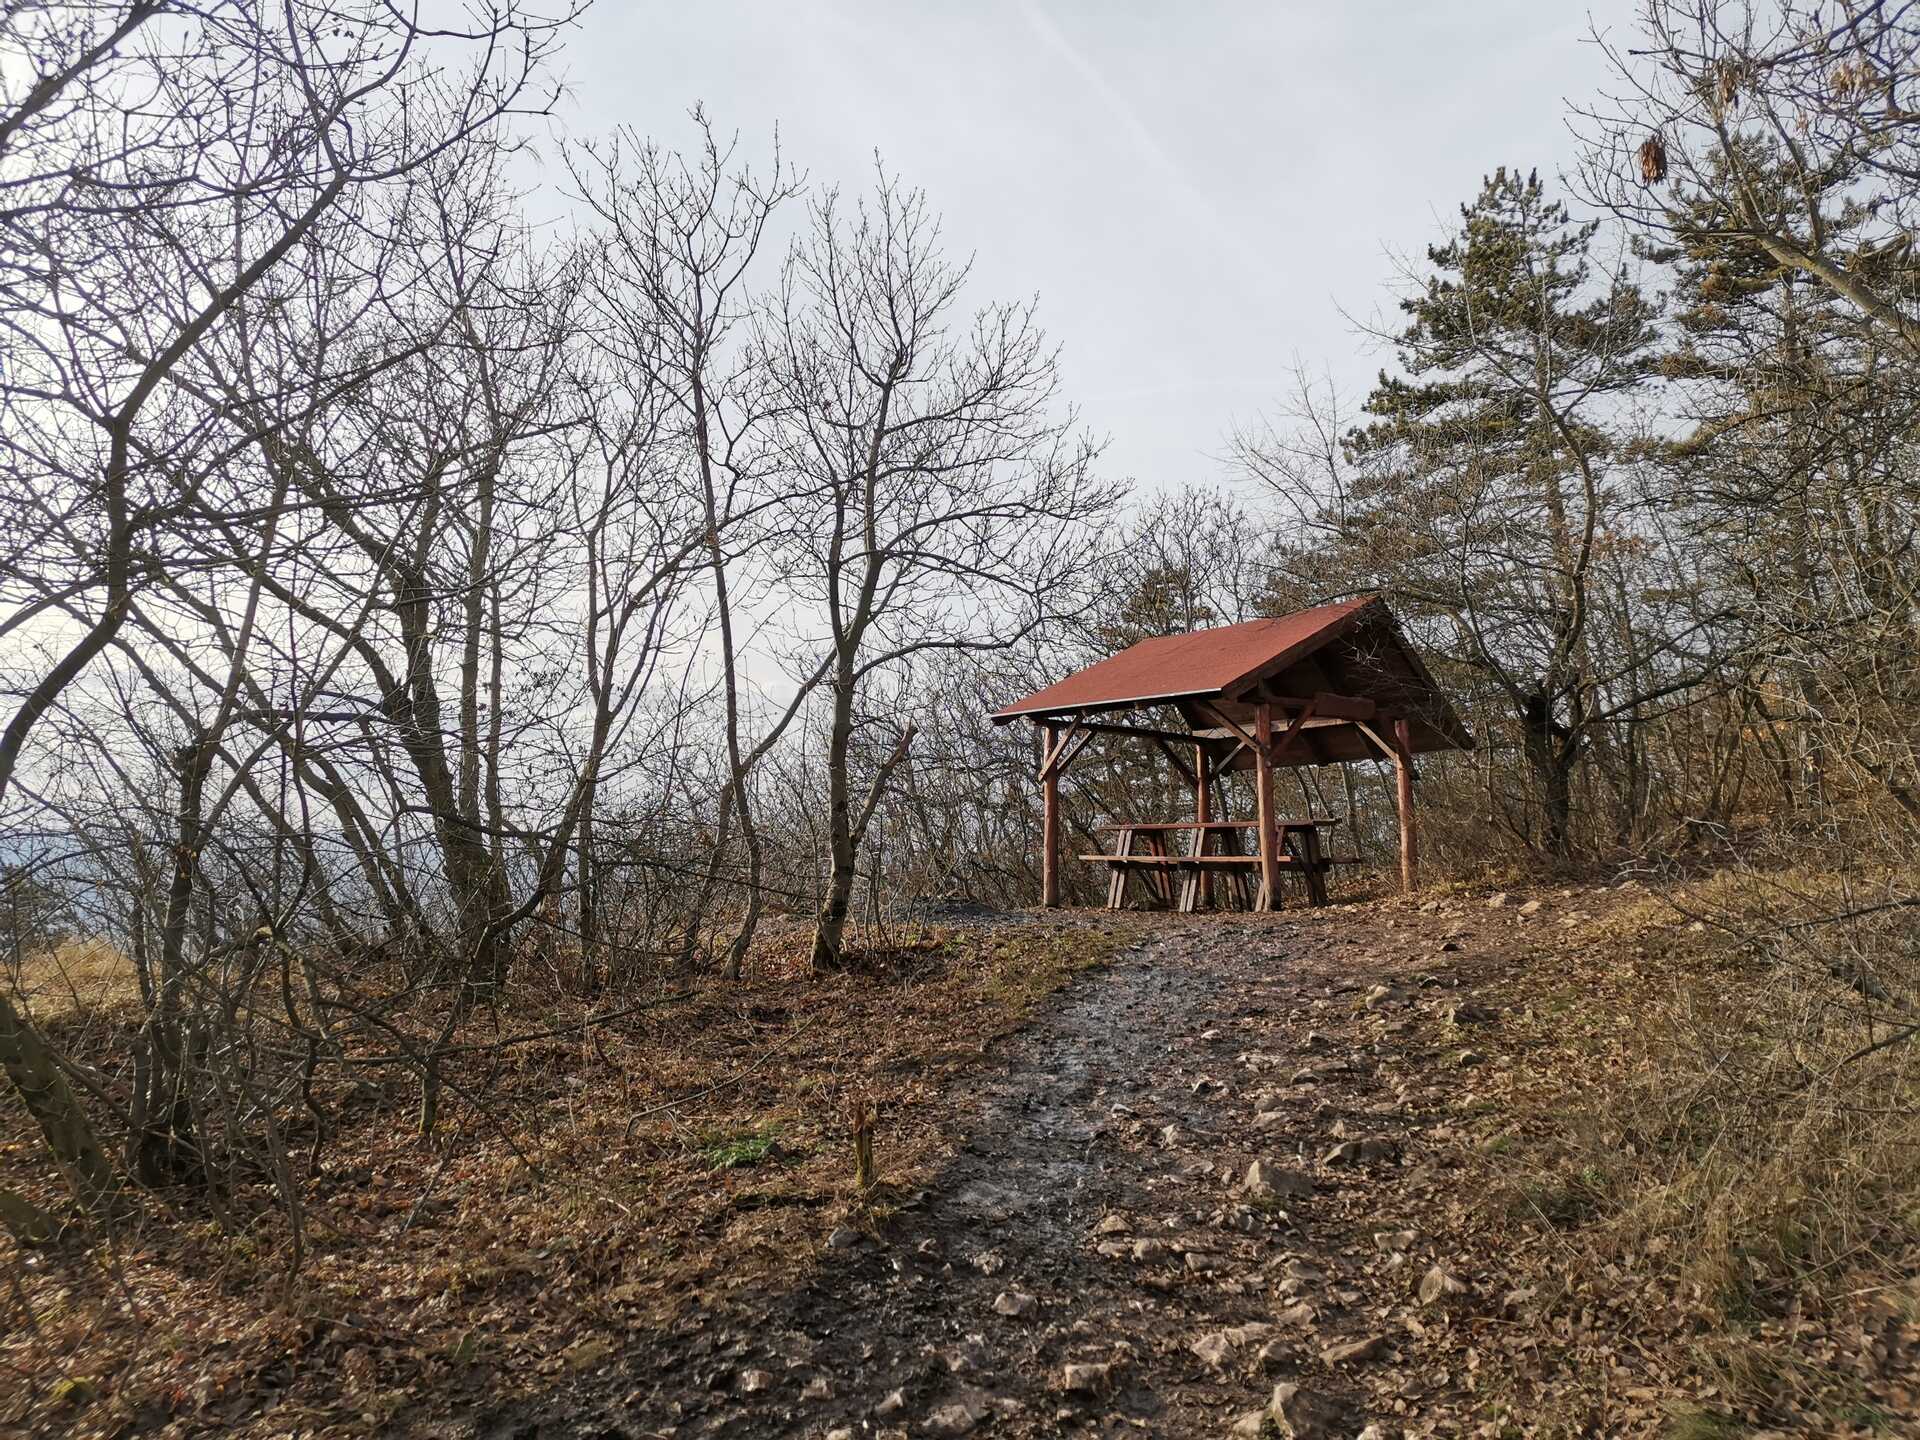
1099,1174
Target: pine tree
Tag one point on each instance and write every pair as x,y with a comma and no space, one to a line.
1796,469
1484,471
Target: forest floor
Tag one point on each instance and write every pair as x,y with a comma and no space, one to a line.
1071,1235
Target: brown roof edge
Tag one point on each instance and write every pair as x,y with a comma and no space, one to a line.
1016,712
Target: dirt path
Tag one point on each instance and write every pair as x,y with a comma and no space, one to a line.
1092,1260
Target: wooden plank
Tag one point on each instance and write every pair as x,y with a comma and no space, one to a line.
1145,732
1283,821
1197,862
1344,707
1057,756
1387,752
1403,793
1279,747
1257,746
1202,815
1049,827
1071,751
1263,789
1305,843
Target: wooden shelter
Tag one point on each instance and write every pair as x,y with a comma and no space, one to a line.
1335,683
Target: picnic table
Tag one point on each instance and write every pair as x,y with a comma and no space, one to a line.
1182,879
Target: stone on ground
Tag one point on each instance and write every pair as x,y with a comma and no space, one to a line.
1086,1379
1302,1414
1264,1179
1360,1152
1354,1352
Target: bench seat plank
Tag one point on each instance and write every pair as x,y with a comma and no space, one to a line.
1204,862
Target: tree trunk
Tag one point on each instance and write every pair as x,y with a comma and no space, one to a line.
162,1145
1550,755
589,899
841,852
69,1135
479,888
1404,804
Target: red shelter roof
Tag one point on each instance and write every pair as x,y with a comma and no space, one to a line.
1200,662
1348,659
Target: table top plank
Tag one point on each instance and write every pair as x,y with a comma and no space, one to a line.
1311,822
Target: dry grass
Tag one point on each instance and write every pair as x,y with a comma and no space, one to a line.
75,979
1701,1116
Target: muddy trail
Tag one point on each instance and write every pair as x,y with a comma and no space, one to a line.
1101,1256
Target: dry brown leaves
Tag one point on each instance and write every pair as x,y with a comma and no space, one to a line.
615,1178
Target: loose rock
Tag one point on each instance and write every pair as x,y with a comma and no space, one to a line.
587,1355
1086,1379
956,1419
1303,1414
1271,1180
1272,1356
1354,1352
1016,1303
1358,1152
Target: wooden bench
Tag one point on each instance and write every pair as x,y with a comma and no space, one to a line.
1162,872
1159,868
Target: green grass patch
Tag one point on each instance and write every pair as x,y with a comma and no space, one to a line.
739,1150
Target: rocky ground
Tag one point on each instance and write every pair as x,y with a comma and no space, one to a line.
1192,1200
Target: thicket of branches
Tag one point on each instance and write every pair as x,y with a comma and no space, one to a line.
396,598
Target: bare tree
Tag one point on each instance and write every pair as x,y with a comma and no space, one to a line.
941,499
168,173
671,292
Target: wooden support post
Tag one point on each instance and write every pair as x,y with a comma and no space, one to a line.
1263,788
1202,813
1409,832
1050,826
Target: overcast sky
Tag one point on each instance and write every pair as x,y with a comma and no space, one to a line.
1195,189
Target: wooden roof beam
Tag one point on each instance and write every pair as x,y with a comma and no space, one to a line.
1145,732
1323,705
